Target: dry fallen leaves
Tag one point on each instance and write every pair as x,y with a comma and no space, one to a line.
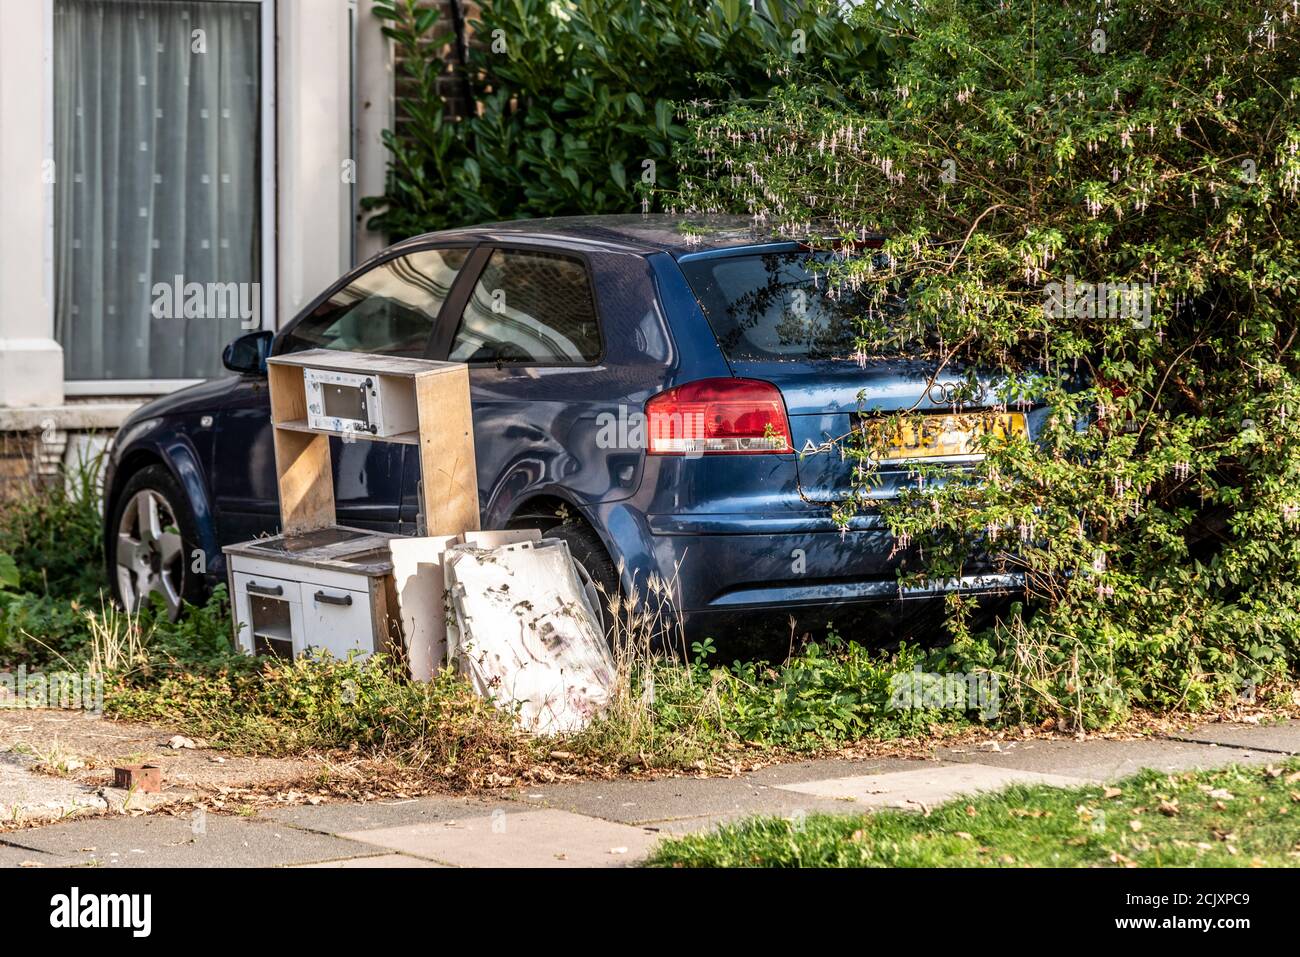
1027,812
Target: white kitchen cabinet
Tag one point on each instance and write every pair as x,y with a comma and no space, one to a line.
330,590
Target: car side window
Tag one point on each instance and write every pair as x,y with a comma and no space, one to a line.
529,307
389,310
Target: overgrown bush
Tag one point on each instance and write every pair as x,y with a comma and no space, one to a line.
51,568
832,692
55,536
822,698
575,102
55,607
1019,151
322,704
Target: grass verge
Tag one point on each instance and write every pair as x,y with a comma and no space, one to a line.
1228,817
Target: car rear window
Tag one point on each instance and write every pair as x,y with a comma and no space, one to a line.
778,306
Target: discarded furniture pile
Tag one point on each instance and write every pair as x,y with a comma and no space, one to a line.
505,608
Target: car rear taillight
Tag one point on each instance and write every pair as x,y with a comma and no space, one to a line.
718,416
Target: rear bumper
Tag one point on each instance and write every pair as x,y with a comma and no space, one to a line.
839,593
731,566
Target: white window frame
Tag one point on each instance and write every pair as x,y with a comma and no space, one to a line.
267,56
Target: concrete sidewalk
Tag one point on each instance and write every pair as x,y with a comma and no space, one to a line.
614,823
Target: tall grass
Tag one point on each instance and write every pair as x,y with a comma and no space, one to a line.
118,642
663,709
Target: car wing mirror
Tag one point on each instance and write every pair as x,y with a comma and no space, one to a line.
247,354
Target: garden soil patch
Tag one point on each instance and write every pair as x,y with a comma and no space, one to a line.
82,749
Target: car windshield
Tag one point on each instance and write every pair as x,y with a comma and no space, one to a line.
786,306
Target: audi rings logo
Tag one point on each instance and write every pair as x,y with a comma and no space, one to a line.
946,393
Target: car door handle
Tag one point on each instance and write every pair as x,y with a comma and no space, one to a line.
328,599
275,591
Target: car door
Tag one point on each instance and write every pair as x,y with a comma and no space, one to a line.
525,320
390,308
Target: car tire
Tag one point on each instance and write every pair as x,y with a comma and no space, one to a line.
596,571
154,536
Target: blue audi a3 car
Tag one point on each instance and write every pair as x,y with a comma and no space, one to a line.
659,393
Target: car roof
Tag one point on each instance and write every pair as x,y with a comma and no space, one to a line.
633,232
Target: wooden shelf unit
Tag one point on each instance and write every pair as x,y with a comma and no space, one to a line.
445,436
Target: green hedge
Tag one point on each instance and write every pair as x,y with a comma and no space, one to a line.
1023,144
575,99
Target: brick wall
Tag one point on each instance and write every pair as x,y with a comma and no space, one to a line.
450,85
18,463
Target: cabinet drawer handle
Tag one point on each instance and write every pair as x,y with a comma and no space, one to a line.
329,599
273,590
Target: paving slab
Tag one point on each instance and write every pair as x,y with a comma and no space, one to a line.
19,855
821,768
543,838
924,786
381,861
337,818
1099,759
26,795
1282,738
662,801
172,842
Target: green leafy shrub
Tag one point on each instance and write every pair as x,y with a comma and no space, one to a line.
55,537
828,694
9,576
574,99
38,629
831,693
1017,151
199,641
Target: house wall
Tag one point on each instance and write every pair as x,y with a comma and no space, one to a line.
31,362
322,169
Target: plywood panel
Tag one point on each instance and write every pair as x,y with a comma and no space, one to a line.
359,362
288,398
447,464
440,392
306,483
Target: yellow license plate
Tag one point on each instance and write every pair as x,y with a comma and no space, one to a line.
938,436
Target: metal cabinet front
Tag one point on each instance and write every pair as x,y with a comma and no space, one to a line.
337,620
269,615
